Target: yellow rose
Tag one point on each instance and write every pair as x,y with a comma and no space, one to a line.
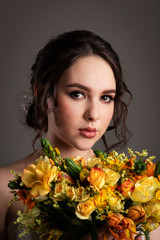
150,225
158,195
82,194
112,177
153,209
97,178
144,190
59,188
91,162
114,202
38,178
59,193
70,192
84,209
136,213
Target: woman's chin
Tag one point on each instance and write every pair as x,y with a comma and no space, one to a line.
85,146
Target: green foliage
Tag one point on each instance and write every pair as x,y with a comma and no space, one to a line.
157,169
15,184
140,166
146,233
48,151
72,168
100,154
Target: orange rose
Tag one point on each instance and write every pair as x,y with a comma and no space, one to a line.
126,187
137,213
97,178
84,209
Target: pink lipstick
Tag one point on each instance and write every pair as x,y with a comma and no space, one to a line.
88,132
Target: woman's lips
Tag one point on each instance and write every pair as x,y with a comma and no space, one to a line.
88,132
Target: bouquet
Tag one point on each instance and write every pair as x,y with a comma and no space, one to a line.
65,197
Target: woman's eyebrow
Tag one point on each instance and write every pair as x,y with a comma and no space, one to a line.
87,89
77,85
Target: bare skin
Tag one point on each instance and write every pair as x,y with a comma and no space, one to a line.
9,213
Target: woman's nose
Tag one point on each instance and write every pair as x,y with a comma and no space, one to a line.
92,111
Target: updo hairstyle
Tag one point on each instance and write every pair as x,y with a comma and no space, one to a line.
54,59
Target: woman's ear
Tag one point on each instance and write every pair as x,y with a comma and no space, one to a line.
50,104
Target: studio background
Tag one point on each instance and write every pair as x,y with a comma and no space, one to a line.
133,29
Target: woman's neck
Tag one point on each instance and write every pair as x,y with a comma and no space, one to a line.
68,151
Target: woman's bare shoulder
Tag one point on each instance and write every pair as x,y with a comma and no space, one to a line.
5,192
18,167
6,175
154,235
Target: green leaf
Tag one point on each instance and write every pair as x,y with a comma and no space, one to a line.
100,154
146,233
15,184
72,168
140,166
48,151
157,169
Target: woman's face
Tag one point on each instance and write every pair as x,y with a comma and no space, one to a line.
85,104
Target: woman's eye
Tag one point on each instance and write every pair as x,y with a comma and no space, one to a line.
107,98
76,94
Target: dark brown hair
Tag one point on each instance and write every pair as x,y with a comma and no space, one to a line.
53,60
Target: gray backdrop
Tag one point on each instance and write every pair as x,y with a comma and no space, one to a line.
131,26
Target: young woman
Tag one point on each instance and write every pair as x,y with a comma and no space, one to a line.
78,90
